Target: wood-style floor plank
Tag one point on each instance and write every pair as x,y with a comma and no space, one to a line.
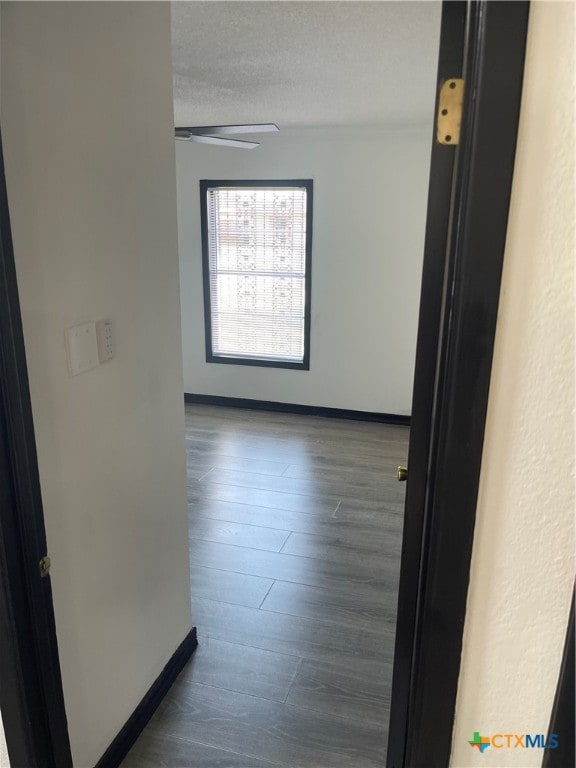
311,485
319,572
266,730
259,497
206,460
333,690
355,648
238,534
341,549
242,669
228,587
349,604
261,425
295,502
155,749
295,540
367,526
314,456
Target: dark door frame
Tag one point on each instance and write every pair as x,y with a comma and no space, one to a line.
484,43
469,194
31,697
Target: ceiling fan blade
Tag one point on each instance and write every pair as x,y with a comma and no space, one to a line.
228,130
238,143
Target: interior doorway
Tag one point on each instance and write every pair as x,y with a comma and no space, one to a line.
460,291
295,515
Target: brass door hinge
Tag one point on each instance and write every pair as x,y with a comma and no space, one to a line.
450,111
45,566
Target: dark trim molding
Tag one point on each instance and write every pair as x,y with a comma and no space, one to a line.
562,718
31,696
432,298
449,420
205,185
137,721
304,410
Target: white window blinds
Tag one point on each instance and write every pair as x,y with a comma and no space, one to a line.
257,272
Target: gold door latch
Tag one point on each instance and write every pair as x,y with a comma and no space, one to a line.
450,111
44,567
402,474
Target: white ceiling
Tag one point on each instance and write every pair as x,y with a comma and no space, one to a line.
343,63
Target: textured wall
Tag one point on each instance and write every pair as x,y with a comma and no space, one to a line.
523,560
370,190
89,146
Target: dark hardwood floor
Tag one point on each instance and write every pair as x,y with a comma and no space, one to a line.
295,537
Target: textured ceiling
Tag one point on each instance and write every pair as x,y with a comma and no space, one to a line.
304,63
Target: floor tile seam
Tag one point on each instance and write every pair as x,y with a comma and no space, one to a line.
284,580
281,550
259,506
294,707
267,578
185,740
272,490
273,552
266,595
327,623
192,537
294,676
293,656
328,522
290,493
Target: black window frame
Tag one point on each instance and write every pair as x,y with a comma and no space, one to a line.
205,186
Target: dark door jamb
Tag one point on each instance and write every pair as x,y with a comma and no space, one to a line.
31,697
454,360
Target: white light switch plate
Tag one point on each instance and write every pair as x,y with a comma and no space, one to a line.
82,348
105,336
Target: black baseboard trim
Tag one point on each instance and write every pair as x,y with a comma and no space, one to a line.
137,721
304,410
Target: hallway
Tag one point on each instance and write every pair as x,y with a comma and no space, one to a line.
295,538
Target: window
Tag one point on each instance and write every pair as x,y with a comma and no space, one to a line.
256,248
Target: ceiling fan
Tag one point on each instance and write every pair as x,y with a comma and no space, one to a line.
213,134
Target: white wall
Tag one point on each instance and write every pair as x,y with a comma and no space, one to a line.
87,121
523,560
370,192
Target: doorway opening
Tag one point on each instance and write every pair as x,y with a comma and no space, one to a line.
318,689
295,515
